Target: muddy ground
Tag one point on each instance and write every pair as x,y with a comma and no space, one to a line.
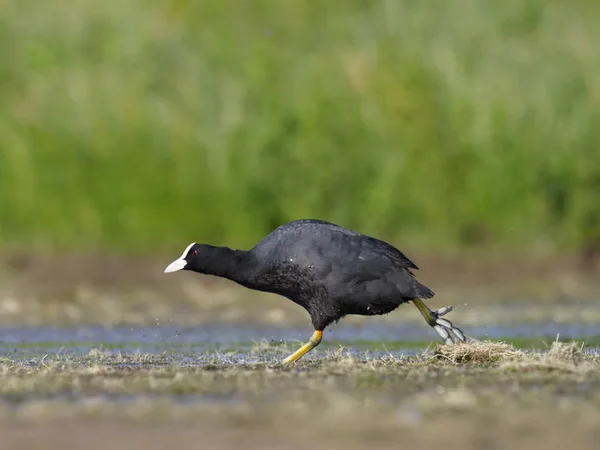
488,396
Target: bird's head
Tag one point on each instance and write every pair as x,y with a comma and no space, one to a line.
186,260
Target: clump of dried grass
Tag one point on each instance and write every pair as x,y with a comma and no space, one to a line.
565,352
479,352
561,356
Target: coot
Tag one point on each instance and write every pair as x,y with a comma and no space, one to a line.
327,269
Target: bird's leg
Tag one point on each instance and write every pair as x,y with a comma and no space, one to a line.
448,332
314,340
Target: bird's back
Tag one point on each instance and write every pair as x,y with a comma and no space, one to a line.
330,250
295,238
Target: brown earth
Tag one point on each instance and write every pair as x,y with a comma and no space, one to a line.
485,395
531,429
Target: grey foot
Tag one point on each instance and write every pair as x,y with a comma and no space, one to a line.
448,332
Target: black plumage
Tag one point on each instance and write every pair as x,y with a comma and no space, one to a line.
327,269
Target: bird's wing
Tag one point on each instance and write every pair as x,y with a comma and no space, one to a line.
360,258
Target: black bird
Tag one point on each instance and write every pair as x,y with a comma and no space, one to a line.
329,270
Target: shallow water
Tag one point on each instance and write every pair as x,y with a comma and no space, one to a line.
406,338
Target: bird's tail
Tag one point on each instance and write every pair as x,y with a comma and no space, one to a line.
423,291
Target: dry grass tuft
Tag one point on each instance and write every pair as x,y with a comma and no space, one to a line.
561,357
565,352
479,352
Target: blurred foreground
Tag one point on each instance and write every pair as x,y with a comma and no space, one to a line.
497,397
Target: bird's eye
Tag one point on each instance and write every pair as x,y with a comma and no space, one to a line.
195,252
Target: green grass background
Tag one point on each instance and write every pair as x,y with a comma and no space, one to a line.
143,125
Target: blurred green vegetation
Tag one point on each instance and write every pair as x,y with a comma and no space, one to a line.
137,125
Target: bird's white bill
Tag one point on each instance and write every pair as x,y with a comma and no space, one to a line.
176,265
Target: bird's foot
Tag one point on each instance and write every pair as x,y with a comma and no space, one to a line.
447,331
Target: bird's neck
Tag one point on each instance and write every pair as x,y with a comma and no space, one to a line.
235,265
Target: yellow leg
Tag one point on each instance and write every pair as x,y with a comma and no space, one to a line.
425,311
314,340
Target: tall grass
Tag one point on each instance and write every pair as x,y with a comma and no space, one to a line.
134,125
